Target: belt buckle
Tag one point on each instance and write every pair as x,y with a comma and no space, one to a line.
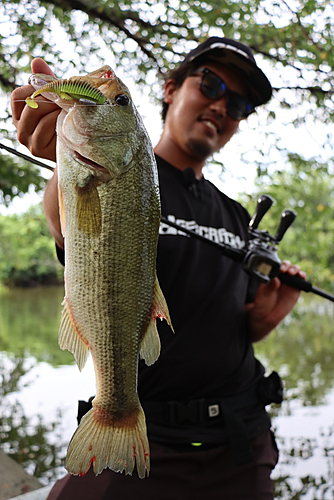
191,412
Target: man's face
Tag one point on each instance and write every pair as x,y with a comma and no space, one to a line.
196,124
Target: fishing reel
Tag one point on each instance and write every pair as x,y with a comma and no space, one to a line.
261,259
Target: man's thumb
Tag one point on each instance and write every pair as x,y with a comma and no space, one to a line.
38,65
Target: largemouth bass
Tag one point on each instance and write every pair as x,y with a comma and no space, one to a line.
110,212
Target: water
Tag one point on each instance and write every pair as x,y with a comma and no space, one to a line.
40,386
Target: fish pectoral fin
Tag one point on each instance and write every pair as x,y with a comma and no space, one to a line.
150,345
69,337
89,215
61,210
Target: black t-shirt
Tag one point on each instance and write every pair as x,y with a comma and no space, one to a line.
211,354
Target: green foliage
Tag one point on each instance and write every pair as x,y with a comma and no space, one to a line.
154,35
307,188
17,177
146,38
27,251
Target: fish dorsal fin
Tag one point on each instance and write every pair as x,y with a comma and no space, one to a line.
150,344
69,336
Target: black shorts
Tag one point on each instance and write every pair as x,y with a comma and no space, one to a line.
182,472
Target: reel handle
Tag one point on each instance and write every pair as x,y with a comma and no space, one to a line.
264,202
287,219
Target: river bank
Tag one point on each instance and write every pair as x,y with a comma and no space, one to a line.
14,479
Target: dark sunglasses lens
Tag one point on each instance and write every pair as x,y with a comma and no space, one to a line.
212,86
238,108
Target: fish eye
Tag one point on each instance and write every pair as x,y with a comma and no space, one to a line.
122,100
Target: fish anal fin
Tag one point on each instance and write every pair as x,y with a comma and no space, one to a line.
160,308
69,337
88,214
150,344
105,444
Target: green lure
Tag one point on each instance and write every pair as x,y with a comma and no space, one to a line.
68,90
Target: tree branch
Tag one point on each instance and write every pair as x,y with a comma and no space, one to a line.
110,17
285,62
312,90
302,27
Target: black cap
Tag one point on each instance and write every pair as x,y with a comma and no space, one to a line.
238,57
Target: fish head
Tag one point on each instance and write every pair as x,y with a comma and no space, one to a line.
106,134
99,124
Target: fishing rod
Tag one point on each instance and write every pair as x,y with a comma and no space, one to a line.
259,257
25,157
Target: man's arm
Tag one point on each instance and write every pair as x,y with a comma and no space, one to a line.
51,209
36,129
272,303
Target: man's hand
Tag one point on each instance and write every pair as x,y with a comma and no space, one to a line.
272,303
36,128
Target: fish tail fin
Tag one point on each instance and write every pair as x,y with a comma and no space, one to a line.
105,444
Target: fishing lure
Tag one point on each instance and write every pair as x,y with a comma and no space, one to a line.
68,90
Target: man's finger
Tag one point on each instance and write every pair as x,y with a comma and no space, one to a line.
38,65
17,100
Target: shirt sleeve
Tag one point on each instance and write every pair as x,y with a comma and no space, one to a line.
60,254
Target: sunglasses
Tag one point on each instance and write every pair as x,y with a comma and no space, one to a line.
213,87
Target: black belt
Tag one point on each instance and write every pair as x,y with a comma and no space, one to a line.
221,411
202,411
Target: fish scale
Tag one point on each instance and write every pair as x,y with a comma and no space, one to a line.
110,213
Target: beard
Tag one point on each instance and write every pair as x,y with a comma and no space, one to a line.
199,150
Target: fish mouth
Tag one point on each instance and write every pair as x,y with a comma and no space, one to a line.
97,170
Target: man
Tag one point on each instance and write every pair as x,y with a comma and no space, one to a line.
205,397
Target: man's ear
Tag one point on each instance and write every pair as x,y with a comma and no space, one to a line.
169,91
